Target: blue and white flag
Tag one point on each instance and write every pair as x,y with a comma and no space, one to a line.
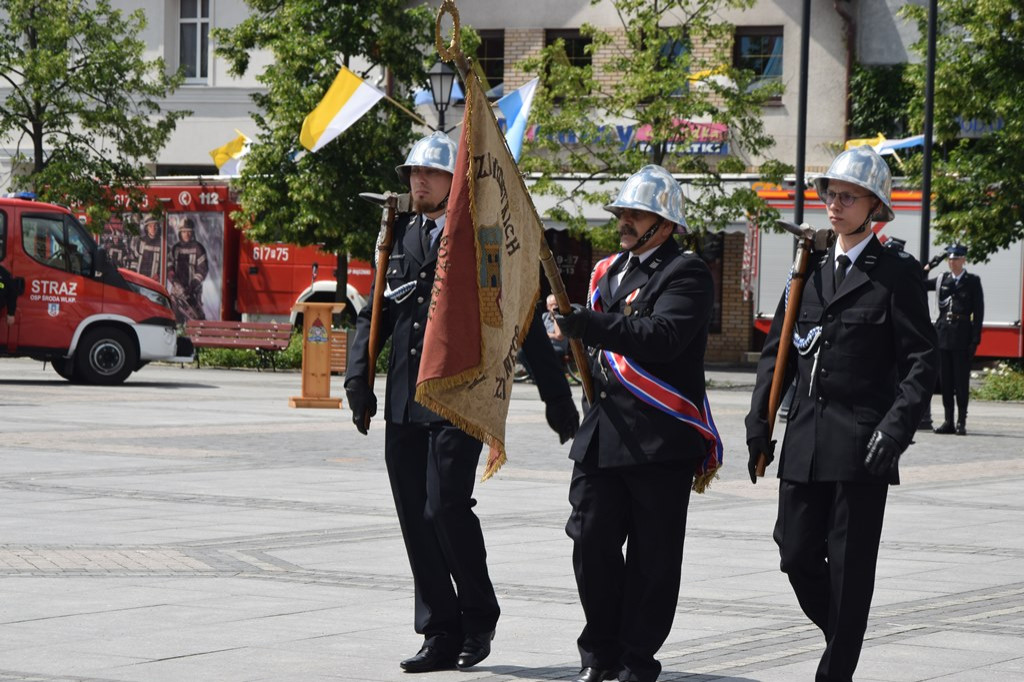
515,106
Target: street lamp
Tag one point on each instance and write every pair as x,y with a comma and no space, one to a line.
442,78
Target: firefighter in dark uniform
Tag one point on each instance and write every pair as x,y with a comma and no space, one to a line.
961,315
432,464
117,248
187,271
149,249
635,458
863,356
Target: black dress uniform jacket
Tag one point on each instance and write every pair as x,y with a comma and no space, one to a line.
664,331
961,310
874,366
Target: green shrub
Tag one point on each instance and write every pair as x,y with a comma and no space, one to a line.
1005,381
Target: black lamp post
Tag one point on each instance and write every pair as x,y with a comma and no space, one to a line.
442,78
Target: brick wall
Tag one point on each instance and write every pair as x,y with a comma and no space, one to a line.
520,43
737,314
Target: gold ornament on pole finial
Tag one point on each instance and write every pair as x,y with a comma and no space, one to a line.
454,48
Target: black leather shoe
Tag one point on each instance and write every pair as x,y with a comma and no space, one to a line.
946,427
596,675
961,429
475,648
429,659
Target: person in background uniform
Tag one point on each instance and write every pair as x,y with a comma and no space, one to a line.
10,289
863,355
961,315
187,271
431,463
650,308
149,250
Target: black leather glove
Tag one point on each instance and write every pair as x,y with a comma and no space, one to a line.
883,454
361,401
563,418
757,446
575,323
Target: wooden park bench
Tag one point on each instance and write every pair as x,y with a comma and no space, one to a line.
266,338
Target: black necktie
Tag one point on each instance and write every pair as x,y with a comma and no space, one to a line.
428,225
632,264
844,262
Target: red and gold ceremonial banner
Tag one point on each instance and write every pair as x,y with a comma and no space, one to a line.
485,286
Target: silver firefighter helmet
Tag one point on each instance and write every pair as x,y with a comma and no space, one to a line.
433,151
863,167
653,189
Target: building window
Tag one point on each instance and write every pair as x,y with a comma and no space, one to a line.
491,58
759,49
194,39
575,44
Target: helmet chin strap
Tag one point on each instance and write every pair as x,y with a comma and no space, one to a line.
646,236
867,221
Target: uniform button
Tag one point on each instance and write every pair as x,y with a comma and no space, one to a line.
423,275
831,318
415,325
412,352
828,344
603,394
824,372
419,299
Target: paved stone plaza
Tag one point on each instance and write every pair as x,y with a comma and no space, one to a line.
189,525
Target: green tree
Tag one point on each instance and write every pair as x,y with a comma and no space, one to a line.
978,184
80,103
659,79
879,100
313,198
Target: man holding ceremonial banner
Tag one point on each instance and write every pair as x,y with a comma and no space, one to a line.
433,438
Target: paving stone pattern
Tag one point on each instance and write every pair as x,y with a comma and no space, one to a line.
189,525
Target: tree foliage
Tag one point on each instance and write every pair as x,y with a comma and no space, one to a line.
660,79
313,199
879,100
79,101
978,183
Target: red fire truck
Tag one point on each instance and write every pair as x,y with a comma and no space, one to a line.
771,255
211,270
74,308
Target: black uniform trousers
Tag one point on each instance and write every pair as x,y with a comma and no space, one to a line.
955,370
432,469
828,535
629,602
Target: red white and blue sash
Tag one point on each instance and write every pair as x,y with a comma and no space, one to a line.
658,394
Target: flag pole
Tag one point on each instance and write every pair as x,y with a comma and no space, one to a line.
453,53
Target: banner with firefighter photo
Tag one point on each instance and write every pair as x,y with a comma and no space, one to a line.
183,251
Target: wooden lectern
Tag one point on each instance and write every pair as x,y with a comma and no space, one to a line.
316,355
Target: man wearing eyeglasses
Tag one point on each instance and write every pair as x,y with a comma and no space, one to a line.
961,314
865,361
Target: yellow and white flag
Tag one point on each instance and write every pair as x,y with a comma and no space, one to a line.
348,98
228,158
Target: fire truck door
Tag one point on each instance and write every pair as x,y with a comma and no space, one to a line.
59,288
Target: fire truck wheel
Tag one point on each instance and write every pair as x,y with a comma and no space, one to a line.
105,356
